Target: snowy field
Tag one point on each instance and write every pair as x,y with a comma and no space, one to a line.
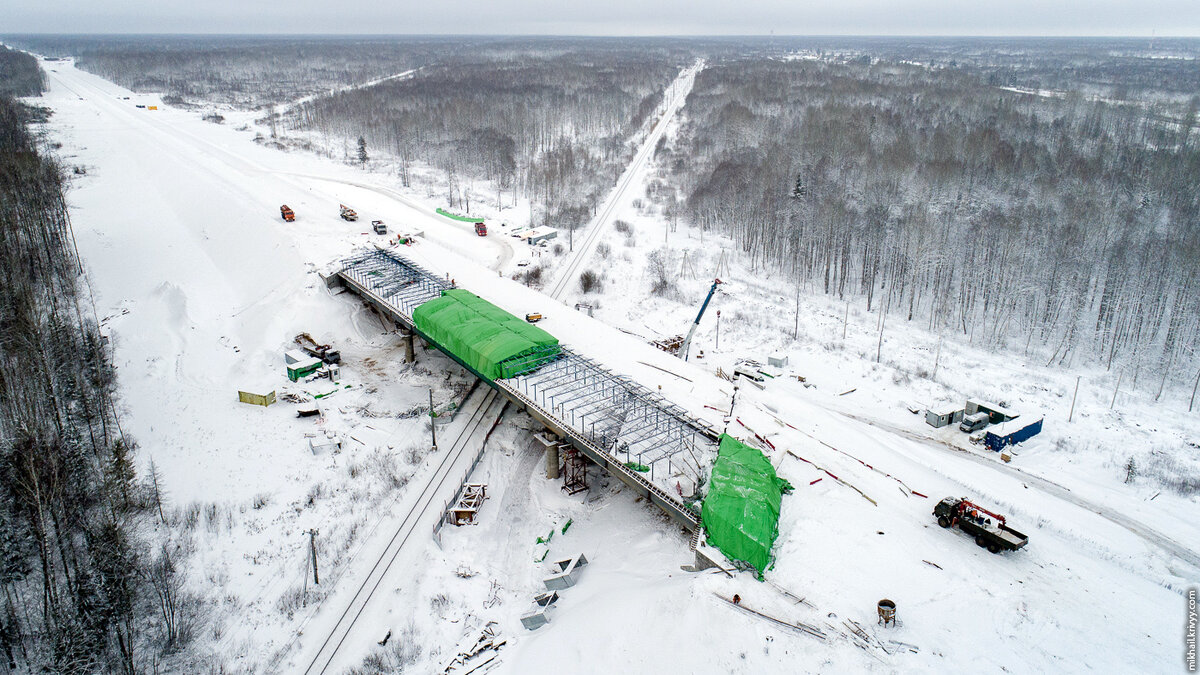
202,287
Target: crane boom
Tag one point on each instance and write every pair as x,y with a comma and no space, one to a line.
687,341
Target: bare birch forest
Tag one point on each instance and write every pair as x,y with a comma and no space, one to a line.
1064,224
547,123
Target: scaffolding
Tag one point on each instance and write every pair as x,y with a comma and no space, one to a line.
633,424
574,472
400,283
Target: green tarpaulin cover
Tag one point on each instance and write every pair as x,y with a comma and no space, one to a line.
480,334
741,510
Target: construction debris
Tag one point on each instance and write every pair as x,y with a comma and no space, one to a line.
800,627
827,472
480,656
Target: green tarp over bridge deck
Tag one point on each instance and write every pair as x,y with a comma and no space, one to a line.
489,340
741,510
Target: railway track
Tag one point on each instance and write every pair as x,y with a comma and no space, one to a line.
486,405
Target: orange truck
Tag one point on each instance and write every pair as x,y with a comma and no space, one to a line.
288,214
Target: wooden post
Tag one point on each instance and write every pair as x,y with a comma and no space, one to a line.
1072,414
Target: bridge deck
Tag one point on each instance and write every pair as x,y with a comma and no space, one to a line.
611,419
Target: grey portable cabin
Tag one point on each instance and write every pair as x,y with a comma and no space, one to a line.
939,419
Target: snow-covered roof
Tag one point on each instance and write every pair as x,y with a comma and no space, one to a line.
994,407
1011,426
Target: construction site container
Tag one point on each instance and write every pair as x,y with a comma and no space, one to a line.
996,413
940,418
1011,433
302,369
488,340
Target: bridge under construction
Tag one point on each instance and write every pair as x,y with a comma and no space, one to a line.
650,444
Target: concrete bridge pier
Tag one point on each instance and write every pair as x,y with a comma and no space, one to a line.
551,444
410,355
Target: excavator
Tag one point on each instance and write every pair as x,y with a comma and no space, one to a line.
687,341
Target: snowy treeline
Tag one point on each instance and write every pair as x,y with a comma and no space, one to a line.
550,124
77,588
1061,223
20,74
243,71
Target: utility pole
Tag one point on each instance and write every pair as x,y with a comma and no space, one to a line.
432,423
845,320
312,560
1072,413
1116,389
719,342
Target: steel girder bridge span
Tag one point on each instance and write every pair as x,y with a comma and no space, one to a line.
615,422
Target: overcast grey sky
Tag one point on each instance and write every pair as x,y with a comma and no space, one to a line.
607,17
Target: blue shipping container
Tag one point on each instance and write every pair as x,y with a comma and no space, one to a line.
1011,433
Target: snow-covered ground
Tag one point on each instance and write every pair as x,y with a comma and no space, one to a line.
202,287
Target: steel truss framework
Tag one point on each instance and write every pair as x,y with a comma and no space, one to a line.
400,283
623,418
620,416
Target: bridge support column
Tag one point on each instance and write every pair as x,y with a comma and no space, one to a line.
410,355
552,462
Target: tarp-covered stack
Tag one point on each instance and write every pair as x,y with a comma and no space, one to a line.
741,511
491,341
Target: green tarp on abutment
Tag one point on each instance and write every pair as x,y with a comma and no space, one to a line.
480,334
741,510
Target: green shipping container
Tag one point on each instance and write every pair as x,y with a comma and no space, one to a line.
303,369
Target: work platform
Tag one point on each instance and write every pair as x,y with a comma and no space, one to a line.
615,422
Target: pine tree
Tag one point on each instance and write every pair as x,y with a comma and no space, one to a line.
800,190
362,151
